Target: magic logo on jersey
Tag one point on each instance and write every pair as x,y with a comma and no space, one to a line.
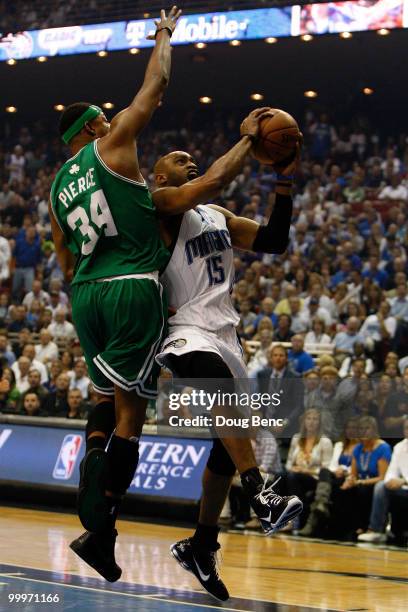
207,243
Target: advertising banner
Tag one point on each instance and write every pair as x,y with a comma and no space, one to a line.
168,467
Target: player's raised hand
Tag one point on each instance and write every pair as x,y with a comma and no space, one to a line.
290,166
166,22
250,125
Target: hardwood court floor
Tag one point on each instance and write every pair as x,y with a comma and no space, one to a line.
262,574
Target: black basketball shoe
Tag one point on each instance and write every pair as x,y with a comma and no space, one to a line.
201,562
274,511
98,551
93,511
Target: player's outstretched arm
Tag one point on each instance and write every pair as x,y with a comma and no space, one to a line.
65,258
274,236
176,200
128,124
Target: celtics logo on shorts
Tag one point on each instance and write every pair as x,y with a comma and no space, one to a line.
179,343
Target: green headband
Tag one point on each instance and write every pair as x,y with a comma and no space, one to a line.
91,113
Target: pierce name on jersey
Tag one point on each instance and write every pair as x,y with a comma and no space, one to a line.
109,221
200,274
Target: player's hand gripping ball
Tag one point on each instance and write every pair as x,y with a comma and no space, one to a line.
278,138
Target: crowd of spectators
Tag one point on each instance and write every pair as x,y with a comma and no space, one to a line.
330,313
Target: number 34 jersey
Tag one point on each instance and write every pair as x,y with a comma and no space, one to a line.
109,221
200,274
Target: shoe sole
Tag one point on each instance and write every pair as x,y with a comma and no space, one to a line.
184,565
292,510
76,548
93,511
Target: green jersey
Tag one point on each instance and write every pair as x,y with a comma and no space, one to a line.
109,221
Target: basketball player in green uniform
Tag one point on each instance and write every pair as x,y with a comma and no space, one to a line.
106,236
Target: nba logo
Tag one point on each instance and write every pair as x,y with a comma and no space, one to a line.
67,457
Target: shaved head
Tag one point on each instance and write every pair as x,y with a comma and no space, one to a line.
175,169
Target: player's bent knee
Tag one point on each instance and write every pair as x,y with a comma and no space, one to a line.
102,418
219,462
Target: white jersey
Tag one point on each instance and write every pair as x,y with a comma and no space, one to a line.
200,274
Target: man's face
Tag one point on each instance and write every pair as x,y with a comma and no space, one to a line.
358,368
74,399
31,403
20,313
3,343
36,286
45,337
278,359
176,169
29,351
79,369
267,306
62,382
297,344
34,378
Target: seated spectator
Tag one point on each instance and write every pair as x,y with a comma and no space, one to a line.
18,319
54,369
311,388
34,385
267,306
358,352
246,327
34,315
265,324
350,385
47,349
375,273
283,333
55,403
5,350
279,377
32,405
259,359
9,394
67,361
36,293
396,409
344,341
4,309
24,337
29,351
299,323
20,369
76,407
299,359
384,389
391,494
62,329
317,335
394,191
312,309
330,479
80,380
309,452
399,303
378,327
370,461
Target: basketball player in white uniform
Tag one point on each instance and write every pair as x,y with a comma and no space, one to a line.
202,341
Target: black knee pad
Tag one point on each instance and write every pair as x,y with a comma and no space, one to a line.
219,461
102,418
123,457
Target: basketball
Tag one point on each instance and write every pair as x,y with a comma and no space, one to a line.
277,139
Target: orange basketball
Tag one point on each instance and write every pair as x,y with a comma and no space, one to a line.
277,138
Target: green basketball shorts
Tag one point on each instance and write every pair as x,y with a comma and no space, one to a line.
120,324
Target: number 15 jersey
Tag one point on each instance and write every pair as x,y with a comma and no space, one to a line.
109,221
200,274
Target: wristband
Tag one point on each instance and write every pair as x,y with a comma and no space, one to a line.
170,31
